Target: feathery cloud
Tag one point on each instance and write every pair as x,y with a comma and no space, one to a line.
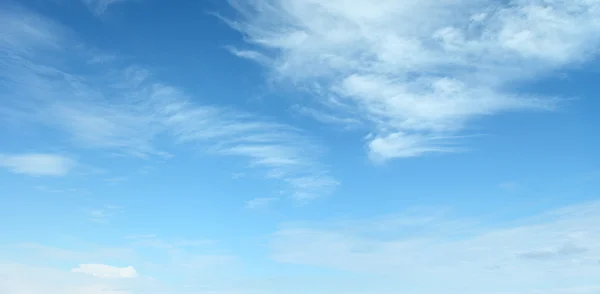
124,109
418,73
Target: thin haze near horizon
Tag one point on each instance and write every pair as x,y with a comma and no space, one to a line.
299,146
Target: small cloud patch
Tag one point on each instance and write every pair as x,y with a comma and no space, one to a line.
106,271
37,164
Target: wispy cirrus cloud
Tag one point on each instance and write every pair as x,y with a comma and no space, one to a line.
417,73
123,108
553,252
25,33
37,164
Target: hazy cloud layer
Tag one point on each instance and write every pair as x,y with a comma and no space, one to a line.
552,251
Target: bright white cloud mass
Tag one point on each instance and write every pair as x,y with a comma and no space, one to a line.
417,72
233,147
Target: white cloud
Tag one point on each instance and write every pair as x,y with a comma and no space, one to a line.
408,145
125,110
555,250
37,164
260,202
417,71
328,118
27,279
106,271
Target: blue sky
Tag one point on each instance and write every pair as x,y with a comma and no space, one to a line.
278,146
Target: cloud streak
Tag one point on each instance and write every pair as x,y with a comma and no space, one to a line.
417,73
37,164
124,109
